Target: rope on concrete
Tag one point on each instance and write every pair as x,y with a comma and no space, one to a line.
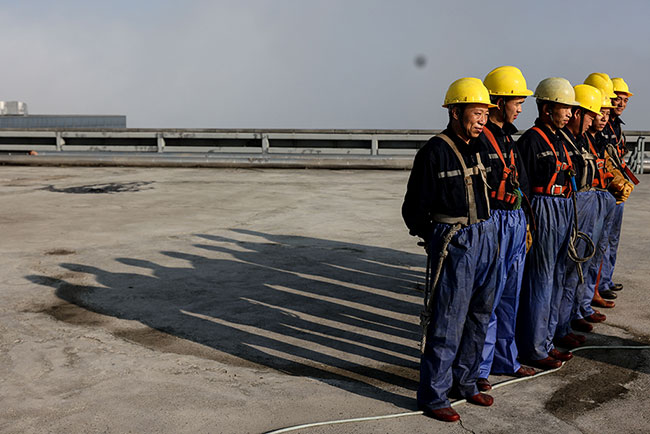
461,401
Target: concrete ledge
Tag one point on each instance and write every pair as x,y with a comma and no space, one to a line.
275,161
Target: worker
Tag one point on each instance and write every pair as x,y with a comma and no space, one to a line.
547,164
508,183
591,208
584,314
616,149
447,199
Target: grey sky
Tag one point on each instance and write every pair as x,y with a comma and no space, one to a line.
305,63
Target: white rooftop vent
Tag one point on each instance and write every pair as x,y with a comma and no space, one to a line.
13,108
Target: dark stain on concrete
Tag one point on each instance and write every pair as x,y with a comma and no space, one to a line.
592,383
60,252
111,187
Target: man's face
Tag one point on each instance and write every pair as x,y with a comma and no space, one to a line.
588,120
601,120
619,103
560,115
472,120
513,108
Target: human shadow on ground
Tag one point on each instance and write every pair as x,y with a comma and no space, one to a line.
340,312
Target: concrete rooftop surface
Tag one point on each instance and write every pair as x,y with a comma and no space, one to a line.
138,300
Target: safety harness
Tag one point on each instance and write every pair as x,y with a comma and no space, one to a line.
553,189
500,192
467,173
431,279
603,174
589,162
616,152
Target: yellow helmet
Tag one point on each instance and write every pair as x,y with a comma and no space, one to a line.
556,89
589,97
602,82
607,103
621,86
468,90
506,81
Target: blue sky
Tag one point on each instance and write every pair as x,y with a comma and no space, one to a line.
305,63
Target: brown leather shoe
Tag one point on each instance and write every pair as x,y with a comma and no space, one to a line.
608,294
481,399
582,325
483,384
567,342
446,414
601,302
557,355
545,364
596,317
524,371
579,338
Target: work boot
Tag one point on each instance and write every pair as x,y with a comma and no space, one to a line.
483,384
608,294
545,364
567,342
524,371
616,287
557,355
596,317
582,325
600,302
482,399
446,414
579,338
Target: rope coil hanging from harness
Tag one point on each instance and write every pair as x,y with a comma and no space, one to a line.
577,235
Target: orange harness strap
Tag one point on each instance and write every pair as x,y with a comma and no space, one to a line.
553,189
501,194
603,174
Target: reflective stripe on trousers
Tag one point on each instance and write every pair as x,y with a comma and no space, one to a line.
602,224
463,303
542,285
500,350
609,261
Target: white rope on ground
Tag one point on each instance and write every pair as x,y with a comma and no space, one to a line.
460,401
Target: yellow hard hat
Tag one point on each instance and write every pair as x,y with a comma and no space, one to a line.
468,90
607,103
602,82
621,86
556,89
506,81
589,97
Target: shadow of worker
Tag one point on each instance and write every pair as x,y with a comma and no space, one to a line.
352,326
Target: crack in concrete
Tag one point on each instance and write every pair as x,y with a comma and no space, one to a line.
464,428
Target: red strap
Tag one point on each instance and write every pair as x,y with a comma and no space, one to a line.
600,165
501,191
558,164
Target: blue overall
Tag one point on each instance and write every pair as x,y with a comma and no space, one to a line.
592,208
500,350
603,223
609,260
461,311
542,286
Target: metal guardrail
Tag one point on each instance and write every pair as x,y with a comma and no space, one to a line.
213,147
346,142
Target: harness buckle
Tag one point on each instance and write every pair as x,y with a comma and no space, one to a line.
556,190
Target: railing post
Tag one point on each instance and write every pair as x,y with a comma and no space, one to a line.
374,146
59,141
265,144
160,141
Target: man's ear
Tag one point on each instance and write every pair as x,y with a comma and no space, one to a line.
455,112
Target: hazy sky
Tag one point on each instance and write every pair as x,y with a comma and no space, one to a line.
306,63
